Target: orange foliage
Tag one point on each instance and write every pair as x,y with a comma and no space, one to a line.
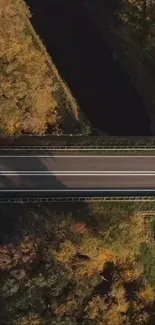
114,317
80,227
132,274
147,295
96,263
29,320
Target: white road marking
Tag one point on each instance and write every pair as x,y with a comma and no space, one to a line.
90,172
72,156
71,149
77,174
82,190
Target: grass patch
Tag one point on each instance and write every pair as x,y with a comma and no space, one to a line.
81,140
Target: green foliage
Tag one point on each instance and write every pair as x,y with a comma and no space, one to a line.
147,256
37,289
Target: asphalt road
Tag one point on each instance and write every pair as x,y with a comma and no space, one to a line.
74,172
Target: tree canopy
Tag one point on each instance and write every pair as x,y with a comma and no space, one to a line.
27,101
93,266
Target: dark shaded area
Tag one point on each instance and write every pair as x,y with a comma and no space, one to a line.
131,289
104,287
11,216
102,89
16,220
68,289
111,5
19,182
152,315
82,257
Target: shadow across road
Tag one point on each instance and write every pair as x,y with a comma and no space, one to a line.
66,176
12,178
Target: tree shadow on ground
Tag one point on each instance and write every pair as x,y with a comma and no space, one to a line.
111,6
41,218
44,219
13,225
34,164
102,89
104,287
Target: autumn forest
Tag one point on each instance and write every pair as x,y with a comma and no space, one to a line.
71,263
94,265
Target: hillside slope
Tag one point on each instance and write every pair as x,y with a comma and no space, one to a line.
32,95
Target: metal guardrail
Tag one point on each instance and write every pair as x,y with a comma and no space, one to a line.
148,213
76,148
52,135
78,199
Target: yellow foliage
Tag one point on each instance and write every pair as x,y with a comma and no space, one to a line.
119,293
31,319
133,272
96,308
90,245
104,255
147,295
114,317
123,307
67,251
27,92
66,308
96,264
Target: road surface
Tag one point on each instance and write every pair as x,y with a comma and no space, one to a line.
69,173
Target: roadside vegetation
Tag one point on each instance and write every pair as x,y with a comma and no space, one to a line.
83,140
32,94
76,264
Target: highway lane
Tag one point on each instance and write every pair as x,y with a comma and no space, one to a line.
76,172
75,182
77,163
